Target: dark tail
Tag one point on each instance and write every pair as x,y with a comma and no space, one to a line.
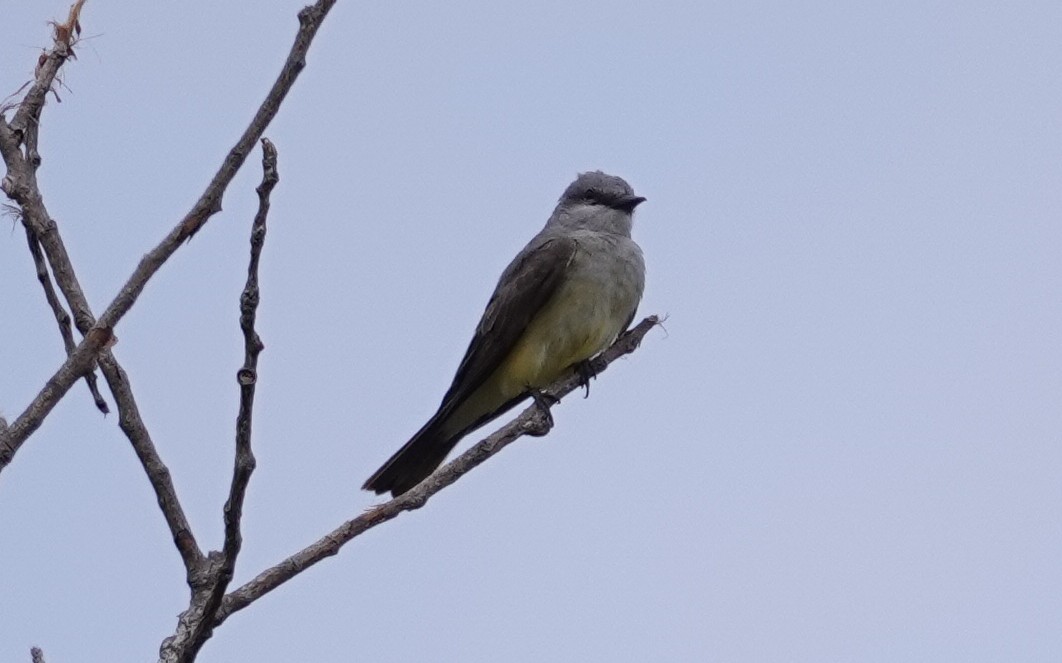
414,462
419,457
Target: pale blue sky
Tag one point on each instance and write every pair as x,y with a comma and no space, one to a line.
846,447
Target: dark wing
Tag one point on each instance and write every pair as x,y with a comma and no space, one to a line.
523,289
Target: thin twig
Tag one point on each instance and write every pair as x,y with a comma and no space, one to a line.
66,34
209,203
62,318
21,182
247,377
530,422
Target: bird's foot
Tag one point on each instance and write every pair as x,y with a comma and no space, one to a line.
585,369
544,402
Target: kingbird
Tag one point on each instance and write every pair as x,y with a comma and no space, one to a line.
563,299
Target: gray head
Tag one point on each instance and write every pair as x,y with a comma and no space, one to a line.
597,201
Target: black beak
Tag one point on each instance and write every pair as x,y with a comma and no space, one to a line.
627,203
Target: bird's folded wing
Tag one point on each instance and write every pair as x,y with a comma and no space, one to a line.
525,287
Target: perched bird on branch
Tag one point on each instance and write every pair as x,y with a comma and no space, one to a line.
563,299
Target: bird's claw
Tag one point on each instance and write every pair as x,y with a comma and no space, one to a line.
544,402
585,369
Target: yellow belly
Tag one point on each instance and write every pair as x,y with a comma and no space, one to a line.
576,324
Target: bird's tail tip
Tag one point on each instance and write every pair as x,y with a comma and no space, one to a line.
412,464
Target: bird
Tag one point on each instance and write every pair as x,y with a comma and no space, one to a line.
563,299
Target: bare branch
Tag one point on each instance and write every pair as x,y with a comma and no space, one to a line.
62,318
12,438
310,19
21,185
248,374
158,474
80,362
530,422
203,609
209,203
21,181
66,35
